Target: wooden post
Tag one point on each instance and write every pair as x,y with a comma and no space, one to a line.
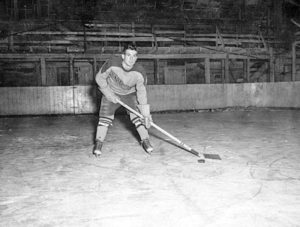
11,41
105,42
94,66
154,43
43,71
72,83
272,66
185,73
84,39
133,29
184,35
207,70
119,30
71,65
248,70
227,80
246,67
294,46
245,70
156,72
223,70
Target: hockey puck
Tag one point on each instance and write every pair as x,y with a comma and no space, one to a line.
201,160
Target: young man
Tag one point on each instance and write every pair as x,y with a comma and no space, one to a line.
121,78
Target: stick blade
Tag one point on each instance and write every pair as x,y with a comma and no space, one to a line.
212,156
206,156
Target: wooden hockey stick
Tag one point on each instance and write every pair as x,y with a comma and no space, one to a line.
191,150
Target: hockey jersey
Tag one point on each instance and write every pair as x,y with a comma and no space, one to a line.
112,77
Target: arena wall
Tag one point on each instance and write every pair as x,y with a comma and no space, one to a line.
85,99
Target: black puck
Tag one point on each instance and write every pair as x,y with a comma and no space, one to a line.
201,160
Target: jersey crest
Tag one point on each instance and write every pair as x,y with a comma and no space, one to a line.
114,77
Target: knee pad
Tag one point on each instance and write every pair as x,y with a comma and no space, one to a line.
105,121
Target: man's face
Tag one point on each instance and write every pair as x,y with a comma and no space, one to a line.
129,58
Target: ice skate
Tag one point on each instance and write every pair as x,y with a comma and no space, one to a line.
97,148
147,146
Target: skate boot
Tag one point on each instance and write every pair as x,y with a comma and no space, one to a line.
97,148
147,146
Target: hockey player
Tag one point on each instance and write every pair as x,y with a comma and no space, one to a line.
121,78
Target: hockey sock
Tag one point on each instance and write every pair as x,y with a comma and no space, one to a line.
143,132
102,128
101,132
140,127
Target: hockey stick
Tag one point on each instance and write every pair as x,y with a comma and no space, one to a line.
191,150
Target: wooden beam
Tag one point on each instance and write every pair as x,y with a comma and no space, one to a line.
71,65
148,37
294,60
223,70
156,71
128,25
193,56
43,71
247,69
141,56
169,32
84,39
68,33
10,42
207,70
94,66
50,42
227,79
121,39
272,66
263,40
219,38
133,29
120,44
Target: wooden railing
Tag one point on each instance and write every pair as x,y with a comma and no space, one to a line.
106,35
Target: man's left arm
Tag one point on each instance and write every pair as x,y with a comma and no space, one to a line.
143,106
141,92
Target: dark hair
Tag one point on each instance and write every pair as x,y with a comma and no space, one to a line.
129,46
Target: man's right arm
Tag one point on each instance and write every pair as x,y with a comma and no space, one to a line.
102,75
101,80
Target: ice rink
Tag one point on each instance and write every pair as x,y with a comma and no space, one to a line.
49,176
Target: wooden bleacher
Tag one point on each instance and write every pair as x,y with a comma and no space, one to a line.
105,36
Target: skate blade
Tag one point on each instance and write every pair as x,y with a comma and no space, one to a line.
97,155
